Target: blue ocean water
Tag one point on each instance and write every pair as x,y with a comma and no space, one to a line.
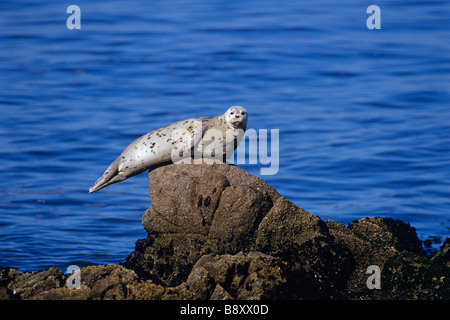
363,115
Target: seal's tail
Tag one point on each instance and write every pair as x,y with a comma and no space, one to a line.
110,176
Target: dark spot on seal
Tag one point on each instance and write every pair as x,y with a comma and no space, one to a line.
199,201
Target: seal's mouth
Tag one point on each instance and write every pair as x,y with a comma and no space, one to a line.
237,124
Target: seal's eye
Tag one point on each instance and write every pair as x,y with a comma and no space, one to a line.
232,112
243,113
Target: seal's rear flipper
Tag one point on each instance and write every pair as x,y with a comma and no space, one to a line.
110,176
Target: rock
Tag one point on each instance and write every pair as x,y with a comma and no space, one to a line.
443,255
197,209
240,211
109,282
318,264
220,294
186,197
408,276
221,209
27,285
382,242
249,276
387,232
220,233
203,216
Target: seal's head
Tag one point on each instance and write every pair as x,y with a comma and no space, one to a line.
236,117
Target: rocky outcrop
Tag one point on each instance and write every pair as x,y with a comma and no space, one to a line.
104,282
392,245
221,211
218,232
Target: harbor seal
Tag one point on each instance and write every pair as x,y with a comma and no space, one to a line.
213,138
